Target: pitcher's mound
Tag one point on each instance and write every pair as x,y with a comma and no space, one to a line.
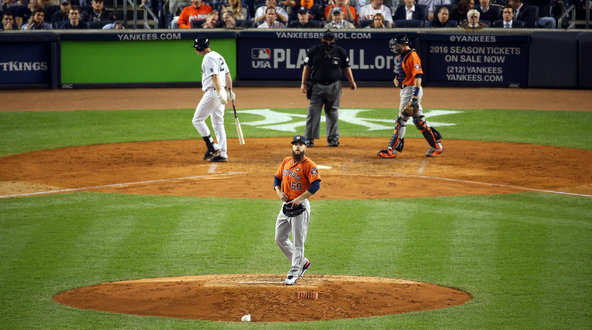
264,296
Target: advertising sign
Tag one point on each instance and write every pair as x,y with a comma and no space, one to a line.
475,60
280,55
25,63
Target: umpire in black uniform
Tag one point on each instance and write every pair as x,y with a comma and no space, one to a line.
324,65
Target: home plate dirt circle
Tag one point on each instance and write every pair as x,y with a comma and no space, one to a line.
264,296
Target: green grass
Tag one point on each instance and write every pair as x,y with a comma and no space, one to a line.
526,262
30,131
525,258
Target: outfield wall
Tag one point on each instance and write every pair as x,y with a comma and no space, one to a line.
157,58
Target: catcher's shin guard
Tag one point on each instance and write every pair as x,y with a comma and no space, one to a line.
397,141
431,135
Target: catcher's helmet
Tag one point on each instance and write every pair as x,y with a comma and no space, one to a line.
201,43
401,39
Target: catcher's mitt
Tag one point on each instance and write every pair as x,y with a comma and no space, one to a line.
411,108
293,211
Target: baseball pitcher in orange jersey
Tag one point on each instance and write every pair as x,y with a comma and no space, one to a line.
408,77
295,181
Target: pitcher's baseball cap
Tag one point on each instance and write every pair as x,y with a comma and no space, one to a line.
299,139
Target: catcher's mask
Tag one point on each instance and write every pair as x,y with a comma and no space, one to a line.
395,43
201,43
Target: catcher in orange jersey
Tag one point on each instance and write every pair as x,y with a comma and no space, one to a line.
295,181
408,78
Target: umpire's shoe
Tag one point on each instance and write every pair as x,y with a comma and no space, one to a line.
310,143
387,153
333,143
210,154
433,152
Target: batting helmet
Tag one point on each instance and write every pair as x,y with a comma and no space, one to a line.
201,43
400,40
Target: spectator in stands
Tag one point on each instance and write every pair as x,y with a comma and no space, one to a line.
8,22
198,10
488,12
237,9
339,21
271,20
37,21
442,19
316,8
114,26
22,17
291,7
177,5
410,10
211,20
74,21
472,22
507,21
228,19
261,12
60,16
367,12
378,22
460,10
304,20
431,6
349,12
544,18
97,13
525,13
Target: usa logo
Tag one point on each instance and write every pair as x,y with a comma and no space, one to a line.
260,53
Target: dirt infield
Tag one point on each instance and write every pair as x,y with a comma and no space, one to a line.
351,171
229,297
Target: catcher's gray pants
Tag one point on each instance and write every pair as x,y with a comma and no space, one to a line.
298,226
328,96
406,94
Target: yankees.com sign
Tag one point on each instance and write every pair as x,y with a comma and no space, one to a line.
281,55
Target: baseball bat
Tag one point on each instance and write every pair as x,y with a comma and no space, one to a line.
239,130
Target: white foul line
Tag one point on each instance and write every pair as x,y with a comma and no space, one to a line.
119,185
491,184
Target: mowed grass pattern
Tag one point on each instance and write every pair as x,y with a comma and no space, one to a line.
526,258
526,267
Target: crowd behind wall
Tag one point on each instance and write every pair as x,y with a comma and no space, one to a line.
94,14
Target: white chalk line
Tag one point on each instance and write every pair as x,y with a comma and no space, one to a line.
121,184
260,282
487,184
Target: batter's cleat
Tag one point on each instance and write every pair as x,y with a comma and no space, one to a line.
309,143
433,152
387,153
210,154
334,143
218,159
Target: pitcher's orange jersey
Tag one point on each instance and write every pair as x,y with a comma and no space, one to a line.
297,177
410,67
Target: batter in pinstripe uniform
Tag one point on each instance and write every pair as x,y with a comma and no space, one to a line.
408,77
295,181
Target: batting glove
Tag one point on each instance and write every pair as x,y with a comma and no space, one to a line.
231,95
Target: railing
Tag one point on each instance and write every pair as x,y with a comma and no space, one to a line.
588,5
571,11
147,11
